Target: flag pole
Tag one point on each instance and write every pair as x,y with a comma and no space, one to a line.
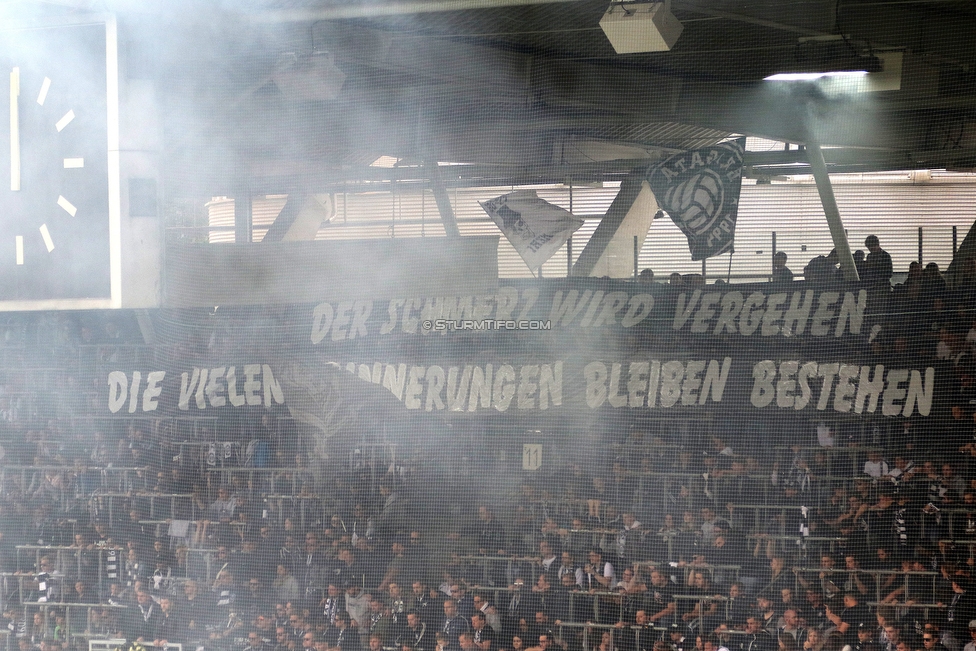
635,258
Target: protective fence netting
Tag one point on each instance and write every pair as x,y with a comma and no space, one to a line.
718,456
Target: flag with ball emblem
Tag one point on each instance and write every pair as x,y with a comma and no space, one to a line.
699,190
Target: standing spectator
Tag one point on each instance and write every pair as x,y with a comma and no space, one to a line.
453,624
423,603
285,586
379,622
465,602
492,618
142,621
415,631
660,602
791,625
254,601
254,642
398,607
930,641
641,637
396,566
547,561
962,609
170,627
491,536
197,607
876,466
933,284
756,637
599,573
357,604
850,618
342,637
859,263
853,582
568,566
331,604
781,273
630,538
290,555
559,603
223,509
877,264
519,608
971,645
483,634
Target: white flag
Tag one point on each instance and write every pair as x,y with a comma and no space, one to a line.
535,227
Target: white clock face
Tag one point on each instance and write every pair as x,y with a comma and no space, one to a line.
54,166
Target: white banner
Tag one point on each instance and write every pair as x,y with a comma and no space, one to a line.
535,227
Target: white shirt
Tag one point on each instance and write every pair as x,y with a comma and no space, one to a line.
577,574
825,436
875,468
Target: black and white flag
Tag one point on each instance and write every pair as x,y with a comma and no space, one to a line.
535,227
699,190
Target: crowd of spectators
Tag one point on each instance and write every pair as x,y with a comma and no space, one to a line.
878,565
674,545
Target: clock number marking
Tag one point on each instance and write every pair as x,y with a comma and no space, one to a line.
65,121
45,86
67,206
46,234
74,163
19,245
14,130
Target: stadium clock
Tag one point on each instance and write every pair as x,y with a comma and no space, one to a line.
59,199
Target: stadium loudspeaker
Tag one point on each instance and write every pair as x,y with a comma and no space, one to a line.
640,27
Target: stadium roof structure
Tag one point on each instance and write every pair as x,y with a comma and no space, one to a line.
310,97
532,90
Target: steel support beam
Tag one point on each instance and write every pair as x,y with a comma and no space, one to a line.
837,232
376,10
285,219
965,251
242,217
630,187
441,197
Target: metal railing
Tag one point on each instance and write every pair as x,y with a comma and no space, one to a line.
67,609
24,477
111,644
269,480
107,501
875,577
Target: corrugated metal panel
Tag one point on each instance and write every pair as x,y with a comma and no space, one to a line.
888,205
668,135
793,211
264,210
415,215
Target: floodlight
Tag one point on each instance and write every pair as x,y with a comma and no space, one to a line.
810,76
814,67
